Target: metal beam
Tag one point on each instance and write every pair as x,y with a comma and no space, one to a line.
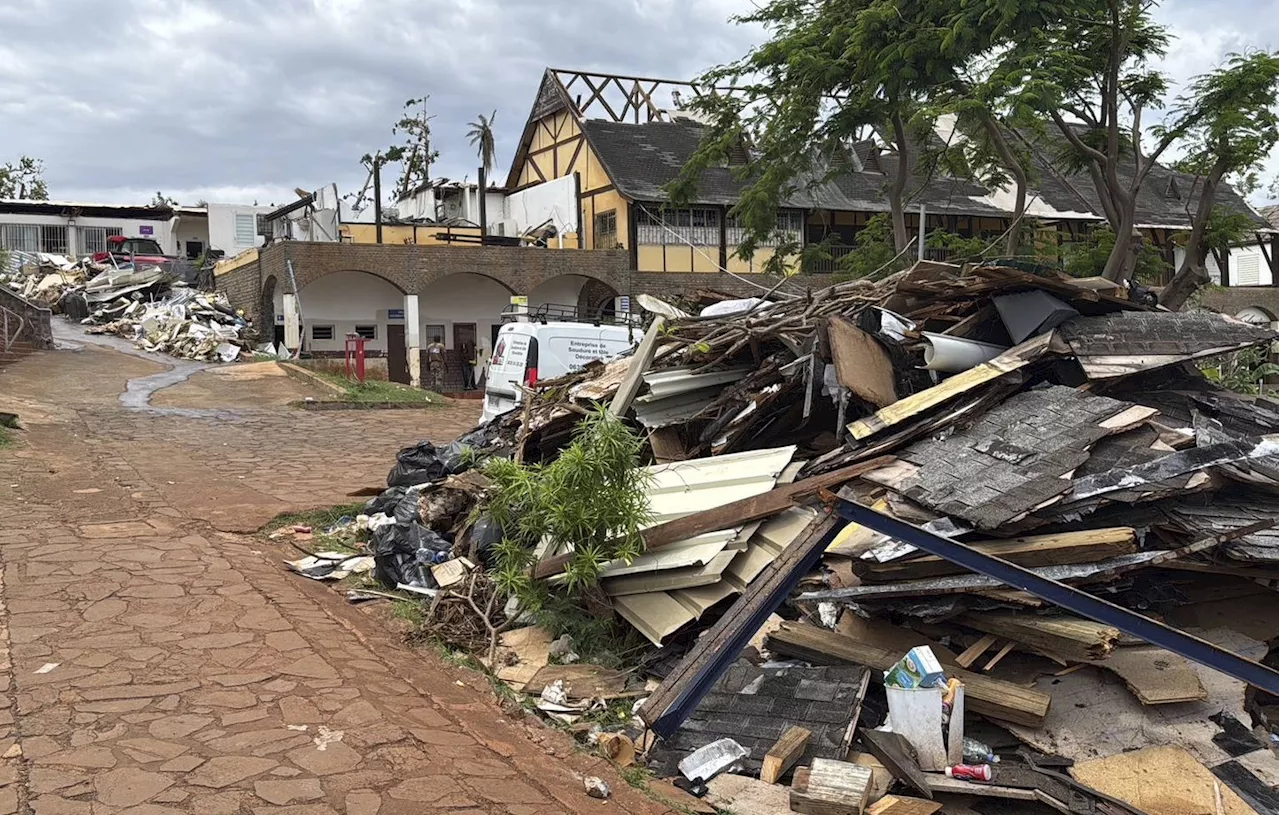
1086,605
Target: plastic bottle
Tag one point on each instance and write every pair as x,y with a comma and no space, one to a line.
975,752
969,772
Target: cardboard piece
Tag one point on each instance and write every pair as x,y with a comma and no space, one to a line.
1166,779
862,364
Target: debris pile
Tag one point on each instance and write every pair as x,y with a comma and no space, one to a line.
153,306
968,529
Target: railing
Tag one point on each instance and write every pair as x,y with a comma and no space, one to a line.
22,319
9,336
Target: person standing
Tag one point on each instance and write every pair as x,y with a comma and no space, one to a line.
435,363
468,366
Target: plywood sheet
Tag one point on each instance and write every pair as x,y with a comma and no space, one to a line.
1154,675
1167,780
862,364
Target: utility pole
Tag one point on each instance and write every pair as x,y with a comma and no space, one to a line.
484,221
377,197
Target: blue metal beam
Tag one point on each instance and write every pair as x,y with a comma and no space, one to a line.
1064,596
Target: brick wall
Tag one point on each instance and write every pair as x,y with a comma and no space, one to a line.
413,269
1234,299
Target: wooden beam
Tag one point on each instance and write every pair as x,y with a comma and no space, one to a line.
1058,549
831,788
733,514
640,362
1001,654
983,695
899,805
1072,638
785,752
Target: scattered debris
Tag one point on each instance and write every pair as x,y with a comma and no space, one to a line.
596,787
1049,432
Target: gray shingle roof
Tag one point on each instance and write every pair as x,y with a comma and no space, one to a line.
643,158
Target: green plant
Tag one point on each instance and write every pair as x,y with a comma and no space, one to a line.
5,438
872,250
591,499
1088,258
1243,371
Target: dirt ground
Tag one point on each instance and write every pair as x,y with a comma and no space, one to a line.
156,657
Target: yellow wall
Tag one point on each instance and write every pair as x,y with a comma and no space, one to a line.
231,264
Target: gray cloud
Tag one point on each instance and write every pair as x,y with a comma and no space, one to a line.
237,100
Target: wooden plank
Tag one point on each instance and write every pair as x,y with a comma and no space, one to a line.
640,362
666,445
743,795
1001,654
976,650
1084,546
1156,676
984,695
785,752
862,365
898,805
735,513
1072,638
898,757
581,680
831,788
940,783
881,779
905,408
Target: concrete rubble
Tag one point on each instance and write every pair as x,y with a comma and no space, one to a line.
1054,427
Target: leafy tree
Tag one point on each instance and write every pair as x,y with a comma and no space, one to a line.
415,153
481,137
1243,371
1088,258
1233,126
24,179
592,498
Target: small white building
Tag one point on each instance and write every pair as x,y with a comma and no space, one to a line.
76,228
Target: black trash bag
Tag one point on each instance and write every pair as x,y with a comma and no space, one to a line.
406,510
384,501
404,554
486,535
425,462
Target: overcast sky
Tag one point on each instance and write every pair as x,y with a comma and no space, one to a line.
244,100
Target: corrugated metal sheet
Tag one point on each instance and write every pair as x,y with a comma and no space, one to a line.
659,614
672,381
677,409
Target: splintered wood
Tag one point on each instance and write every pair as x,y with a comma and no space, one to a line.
783,754
830,788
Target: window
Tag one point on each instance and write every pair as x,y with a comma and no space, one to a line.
369,332
321,332
790,223
699,226
433,333
93,239
606,236
53,239
20,237
246,230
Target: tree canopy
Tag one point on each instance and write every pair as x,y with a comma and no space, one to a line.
23,179
833,74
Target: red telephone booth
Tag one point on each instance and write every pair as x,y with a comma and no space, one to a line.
355,357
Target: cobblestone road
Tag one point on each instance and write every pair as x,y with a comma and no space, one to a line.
158,661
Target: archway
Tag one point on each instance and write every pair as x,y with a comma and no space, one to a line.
270,303
346,302
569,295
1256,315
464,306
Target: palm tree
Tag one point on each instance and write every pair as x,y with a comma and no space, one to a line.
481,135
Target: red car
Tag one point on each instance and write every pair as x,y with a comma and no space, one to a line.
140,250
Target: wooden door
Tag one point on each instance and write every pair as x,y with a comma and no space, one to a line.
397,355
464,334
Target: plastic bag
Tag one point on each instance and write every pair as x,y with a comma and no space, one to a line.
403,553
485,535
385,501
406,510
425,462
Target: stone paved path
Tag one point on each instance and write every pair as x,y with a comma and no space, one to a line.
154,661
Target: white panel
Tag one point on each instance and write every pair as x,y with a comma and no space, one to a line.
1247,269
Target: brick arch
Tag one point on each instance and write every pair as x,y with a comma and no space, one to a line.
595,295
441,278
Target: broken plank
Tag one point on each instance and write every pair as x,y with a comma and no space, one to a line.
785,752
688,682
983,694
1154,675
1165,779
898,757
862,365
1062,548
948,389
971,654
1070,637
640,362
743,795
831,788
581,680
666,445
733,514
899,805
941,783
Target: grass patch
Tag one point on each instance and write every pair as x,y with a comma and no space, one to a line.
318,519
6,438
380,391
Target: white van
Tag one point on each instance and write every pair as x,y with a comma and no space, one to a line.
527,352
